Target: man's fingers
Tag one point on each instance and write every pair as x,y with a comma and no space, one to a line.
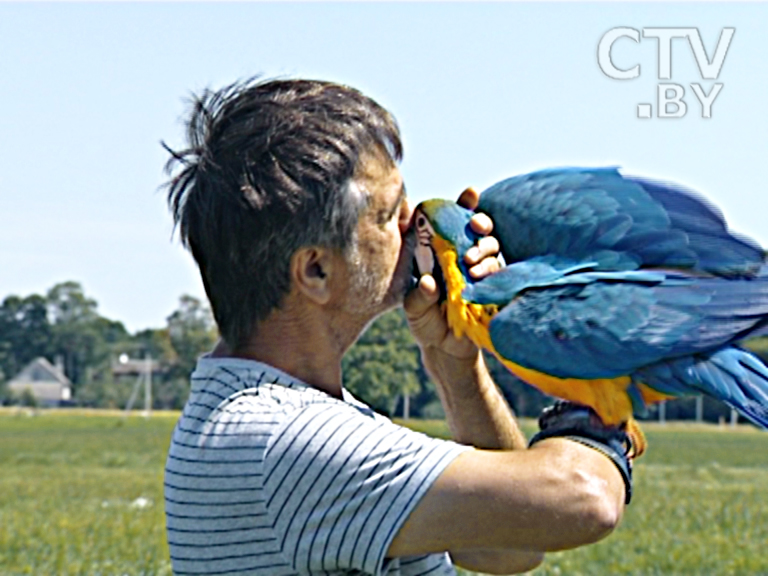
481,224
469,199
487,247
485,268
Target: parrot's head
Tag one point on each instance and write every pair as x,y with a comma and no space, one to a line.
441,225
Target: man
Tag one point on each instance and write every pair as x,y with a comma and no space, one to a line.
290,201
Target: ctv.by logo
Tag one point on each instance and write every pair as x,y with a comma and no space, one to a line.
669,96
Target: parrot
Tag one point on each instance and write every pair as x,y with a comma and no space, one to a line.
616,293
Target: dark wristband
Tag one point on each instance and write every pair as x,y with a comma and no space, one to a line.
621,461
575,425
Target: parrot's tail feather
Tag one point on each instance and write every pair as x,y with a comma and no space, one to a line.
744,377
731,375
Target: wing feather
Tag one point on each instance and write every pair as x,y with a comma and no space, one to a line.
602,325
589,214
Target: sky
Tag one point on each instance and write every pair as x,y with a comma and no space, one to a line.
481,92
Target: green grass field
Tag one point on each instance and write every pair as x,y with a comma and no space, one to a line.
81,493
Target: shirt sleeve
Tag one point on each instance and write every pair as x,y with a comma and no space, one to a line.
340,483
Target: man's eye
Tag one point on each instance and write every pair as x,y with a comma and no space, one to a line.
385,217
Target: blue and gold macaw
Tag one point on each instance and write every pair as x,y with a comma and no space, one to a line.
617,292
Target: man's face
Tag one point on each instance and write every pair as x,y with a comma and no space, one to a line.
380,264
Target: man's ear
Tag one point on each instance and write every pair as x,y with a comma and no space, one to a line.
311,270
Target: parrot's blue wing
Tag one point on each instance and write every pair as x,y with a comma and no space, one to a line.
588,214
544,272
607,324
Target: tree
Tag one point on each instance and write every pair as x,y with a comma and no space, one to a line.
66,323
192,332
384,363
26,398
153,341
85,340
71,314
25,332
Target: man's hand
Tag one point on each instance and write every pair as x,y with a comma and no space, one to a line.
475,409
425,318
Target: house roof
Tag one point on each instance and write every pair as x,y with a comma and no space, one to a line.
40,371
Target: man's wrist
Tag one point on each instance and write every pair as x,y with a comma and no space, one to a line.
449,369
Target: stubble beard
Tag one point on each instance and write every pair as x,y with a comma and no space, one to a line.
368,286
371,290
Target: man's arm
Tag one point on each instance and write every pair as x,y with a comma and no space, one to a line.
476,411
557,495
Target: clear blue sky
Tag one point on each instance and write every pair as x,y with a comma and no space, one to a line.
481,92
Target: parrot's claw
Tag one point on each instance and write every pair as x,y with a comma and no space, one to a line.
637,440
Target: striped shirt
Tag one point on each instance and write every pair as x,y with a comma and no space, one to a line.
271,477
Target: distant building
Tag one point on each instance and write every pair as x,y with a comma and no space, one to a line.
47,383
125,366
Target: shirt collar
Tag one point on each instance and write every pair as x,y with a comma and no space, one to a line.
243,373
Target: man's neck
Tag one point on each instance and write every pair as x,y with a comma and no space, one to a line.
305,344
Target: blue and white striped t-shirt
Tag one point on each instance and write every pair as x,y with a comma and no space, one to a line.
268,476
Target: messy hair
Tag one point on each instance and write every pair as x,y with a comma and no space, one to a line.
267,171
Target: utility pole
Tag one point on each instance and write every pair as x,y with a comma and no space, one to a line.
145,378
147,385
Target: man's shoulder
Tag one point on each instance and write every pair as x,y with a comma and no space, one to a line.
227,389
322,482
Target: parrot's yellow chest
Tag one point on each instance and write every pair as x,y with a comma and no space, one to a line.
463,317
608,397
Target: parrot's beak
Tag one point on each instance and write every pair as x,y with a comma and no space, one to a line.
424,255
425,259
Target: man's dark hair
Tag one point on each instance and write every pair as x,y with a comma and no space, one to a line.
266,172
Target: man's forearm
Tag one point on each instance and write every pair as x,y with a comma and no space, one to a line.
497,561
476,411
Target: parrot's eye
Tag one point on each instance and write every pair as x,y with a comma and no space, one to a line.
421,221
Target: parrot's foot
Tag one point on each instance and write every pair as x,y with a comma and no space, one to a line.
639,443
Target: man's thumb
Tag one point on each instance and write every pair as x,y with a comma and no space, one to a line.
422,298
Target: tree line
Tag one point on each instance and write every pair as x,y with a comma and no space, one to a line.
383,368
65,325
